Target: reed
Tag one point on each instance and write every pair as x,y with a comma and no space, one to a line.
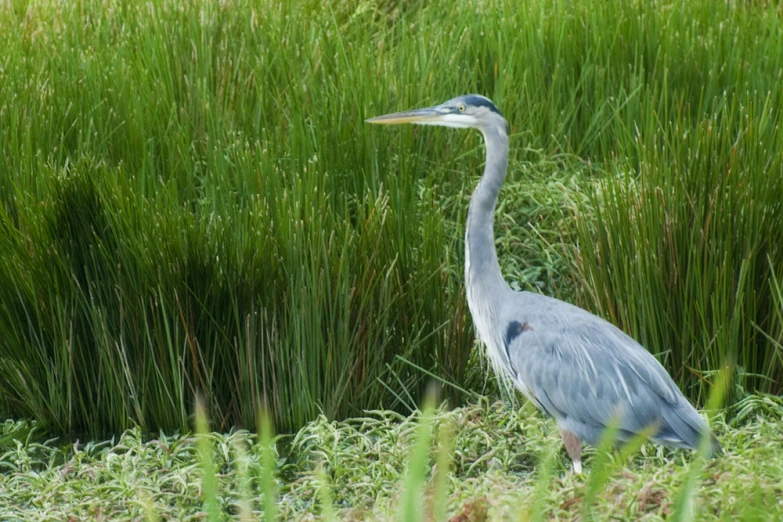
191,203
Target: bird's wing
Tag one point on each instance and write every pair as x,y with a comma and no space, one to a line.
577,366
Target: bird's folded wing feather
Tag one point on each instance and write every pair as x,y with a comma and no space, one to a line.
591,371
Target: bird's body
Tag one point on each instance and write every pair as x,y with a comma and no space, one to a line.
571,364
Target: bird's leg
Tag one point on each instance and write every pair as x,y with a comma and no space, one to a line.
574,448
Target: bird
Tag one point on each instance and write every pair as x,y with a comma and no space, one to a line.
571,364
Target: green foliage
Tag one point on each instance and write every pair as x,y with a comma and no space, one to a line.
682,252
176,225
207,462
418,467
126,312
361,469
684,508
191,203
269,466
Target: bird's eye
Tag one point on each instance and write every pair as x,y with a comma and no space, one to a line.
461,108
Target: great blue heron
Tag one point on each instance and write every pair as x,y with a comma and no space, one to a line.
571,364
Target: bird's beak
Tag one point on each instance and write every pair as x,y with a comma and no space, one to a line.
420,116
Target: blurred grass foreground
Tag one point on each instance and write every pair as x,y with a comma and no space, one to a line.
191,203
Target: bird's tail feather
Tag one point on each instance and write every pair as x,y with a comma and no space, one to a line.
685,424
717,449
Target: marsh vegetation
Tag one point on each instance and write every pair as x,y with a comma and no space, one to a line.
191,204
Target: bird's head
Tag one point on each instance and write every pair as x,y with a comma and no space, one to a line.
469,111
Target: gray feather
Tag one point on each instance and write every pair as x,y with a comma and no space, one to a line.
583,371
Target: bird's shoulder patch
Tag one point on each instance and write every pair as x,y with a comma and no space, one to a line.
514,330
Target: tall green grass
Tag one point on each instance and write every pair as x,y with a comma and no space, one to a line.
191,207
682,249
191,203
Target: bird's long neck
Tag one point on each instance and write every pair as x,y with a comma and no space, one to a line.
482,269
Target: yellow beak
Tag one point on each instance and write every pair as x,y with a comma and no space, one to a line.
416,116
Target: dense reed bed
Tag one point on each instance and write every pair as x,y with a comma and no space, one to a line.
191,203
